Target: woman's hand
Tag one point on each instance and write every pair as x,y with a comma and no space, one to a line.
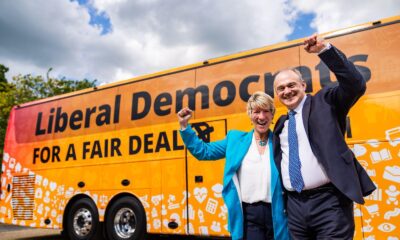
183,117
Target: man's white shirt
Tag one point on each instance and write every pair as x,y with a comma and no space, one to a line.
312,172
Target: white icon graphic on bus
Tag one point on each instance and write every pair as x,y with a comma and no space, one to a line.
393,136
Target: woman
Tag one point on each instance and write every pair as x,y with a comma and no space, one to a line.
252,190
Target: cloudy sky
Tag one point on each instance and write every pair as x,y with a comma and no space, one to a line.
112,40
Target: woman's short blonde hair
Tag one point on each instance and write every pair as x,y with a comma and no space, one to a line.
260,100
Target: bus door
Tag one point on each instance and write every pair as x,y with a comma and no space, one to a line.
206,211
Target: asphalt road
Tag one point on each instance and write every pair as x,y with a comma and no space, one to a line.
10,232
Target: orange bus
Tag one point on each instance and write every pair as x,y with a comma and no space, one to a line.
112,156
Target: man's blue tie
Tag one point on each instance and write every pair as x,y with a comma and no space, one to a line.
294,161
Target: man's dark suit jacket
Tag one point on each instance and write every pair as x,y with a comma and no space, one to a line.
324,116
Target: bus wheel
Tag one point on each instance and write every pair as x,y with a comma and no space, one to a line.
82,220
126,220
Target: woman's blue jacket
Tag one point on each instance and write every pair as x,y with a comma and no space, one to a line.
233,148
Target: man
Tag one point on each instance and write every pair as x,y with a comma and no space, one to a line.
319,172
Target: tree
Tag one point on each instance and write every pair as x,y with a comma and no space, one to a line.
3,80
26,88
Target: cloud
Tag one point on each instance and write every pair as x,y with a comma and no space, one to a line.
41,34
146,36
153,35
333,15
173,33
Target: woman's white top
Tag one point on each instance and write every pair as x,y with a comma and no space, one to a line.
255,175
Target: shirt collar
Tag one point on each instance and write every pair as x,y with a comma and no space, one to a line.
299,108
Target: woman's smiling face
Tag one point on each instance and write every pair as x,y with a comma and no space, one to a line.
261,119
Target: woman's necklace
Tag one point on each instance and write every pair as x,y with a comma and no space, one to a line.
262,143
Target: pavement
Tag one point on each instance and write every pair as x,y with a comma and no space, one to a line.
11,232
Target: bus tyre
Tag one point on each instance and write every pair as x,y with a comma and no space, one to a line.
82,220
126,220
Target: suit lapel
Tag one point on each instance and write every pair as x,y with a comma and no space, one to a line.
306,112
280,124
277,142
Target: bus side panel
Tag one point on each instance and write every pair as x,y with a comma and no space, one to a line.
117,136
380,214
376,121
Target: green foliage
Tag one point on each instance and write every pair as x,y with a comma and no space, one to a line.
26,88
3,70
3,80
